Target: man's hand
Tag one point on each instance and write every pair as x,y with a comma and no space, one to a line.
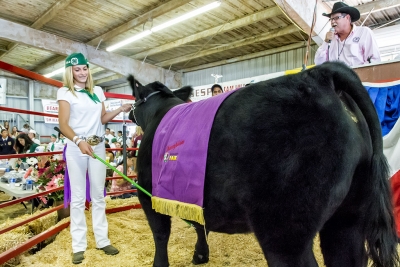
329,36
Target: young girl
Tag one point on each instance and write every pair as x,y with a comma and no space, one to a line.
121,184
82,115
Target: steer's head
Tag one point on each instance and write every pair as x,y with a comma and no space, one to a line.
154,98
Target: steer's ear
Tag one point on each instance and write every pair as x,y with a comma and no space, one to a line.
184,93
135,85
161,87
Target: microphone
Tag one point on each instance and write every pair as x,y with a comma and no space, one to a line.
329,43
58,130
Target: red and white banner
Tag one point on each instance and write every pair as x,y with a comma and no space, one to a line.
51,107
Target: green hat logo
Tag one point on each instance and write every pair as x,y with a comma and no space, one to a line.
76,59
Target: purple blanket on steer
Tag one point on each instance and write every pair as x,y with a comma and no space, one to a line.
179,156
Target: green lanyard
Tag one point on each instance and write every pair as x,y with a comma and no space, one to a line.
93,97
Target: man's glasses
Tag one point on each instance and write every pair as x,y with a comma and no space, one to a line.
336,18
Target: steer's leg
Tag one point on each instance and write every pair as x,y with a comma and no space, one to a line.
284,244
201,252
342,241
161,227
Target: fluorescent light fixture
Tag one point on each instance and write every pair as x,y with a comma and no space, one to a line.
129,40
187,16
165,25
54,73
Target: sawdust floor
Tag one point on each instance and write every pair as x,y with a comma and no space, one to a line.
130,233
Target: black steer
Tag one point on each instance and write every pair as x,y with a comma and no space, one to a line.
287,158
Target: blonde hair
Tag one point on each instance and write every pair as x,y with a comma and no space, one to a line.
139,131
69,81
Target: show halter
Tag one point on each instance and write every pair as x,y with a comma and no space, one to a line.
141,101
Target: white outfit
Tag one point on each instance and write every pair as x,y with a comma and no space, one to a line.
109,137
85,120
49,145
355,50
61,141
36,141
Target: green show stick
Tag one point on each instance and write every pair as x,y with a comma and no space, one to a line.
123,176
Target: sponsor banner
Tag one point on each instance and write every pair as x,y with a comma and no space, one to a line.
114,104
204,91
51,107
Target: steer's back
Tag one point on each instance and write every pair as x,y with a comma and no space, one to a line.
277,150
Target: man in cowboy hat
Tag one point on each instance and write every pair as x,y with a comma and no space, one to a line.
354,45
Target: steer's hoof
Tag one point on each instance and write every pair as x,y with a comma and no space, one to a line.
199,259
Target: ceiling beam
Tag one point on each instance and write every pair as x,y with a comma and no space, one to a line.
248,56
51,13
50,63
156,12
250,19
378,5
301,13
247,41
144,72
102,74
109,79
42,20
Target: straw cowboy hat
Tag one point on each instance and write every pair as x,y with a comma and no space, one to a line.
341,7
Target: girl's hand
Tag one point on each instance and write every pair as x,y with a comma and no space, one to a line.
126,107
86,148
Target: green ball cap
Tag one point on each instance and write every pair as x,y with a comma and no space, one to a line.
76,59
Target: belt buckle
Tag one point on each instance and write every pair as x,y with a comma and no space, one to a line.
93,140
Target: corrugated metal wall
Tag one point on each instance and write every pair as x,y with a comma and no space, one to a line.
18,88
17,97
249,68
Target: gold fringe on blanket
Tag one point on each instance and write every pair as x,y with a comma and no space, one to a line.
179,209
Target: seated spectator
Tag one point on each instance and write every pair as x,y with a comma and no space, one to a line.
61,139
6,143
7,125
113,142
122,184
14,132
118,153
23,145
26,128
119,137
109,154
52,145
138,139
32,135
108,134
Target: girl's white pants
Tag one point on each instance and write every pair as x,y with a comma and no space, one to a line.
78,164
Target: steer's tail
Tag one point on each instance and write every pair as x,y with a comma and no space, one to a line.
379,227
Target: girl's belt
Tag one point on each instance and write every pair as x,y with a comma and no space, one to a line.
92,139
